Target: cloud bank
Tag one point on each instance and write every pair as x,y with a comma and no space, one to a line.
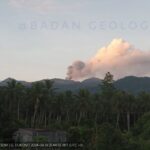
119,57
42,6
37,5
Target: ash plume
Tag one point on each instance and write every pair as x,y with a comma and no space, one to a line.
119,57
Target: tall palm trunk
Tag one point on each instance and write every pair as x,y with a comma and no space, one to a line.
128,120
118,118
26,116
67,116
35,111
45,120
18,110
80,117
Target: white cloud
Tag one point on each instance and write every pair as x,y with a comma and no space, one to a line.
119,57
42,6
37,5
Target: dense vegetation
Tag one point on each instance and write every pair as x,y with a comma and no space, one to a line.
109,120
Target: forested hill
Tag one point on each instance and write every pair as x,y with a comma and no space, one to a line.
109,120
130,84
134,84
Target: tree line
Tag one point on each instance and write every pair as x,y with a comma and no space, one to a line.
110,119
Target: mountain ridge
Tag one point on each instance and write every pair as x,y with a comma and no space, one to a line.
131,84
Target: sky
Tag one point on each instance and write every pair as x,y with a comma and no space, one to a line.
40,38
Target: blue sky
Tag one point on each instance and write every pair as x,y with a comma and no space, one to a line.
40,38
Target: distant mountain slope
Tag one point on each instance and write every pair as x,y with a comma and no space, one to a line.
64,85
134,84
4,82
131,84
91,84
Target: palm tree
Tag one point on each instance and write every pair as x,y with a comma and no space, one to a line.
83,102
117,105
20,90
129,102
48,96
107,87
37,93
15,95
68,105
